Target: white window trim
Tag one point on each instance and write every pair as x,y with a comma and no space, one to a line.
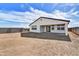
60,27
53,27
34,27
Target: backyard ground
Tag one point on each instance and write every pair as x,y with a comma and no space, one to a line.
15,45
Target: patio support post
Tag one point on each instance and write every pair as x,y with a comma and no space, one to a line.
38,28
66,29
45,29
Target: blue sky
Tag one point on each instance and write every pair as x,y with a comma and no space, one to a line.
22,14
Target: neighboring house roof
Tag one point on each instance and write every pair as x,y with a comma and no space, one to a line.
51,19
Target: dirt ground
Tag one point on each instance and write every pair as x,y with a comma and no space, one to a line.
12,44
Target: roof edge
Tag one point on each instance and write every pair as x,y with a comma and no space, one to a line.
50,18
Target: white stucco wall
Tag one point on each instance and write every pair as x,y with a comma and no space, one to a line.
42,28
50,22
66,28
38,29
57,31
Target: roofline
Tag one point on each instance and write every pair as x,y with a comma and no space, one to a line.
34,21
51,19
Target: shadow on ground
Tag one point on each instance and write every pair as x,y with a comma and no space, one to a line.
50,36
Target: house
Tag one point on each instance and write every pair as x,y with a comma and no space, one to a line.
46,24
74,30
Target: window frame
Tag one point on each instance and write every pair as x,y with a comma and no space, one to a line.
53,27
61,27
34,27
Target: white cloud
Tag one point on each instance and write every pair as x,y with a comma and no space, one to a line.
68,15
71,4
28,17
59,14
14,16
35,13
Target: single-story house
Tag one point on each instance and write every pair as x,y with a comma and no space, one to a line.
46,24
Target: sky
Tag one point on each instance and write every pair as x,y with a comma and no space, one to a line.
22,14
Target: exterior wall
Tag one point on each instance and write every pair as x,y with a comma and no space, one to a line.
49,22
42,29
75,30
38,29
57,31
66,29
10,30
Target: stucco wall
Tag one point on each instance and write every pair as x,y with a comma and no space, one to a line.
38,29
75,30
10,30
49,22
57,31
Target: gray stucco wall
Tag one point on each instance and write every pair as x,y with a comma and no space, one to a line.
10,30
75,30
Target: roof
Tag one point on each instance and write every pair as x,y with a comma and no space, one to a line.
51,19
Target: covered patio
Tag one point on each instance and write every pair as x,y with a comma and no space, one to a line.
47,35
55,28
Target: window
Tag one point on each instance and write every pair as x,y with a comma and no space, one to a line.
34,27
60,27
52,27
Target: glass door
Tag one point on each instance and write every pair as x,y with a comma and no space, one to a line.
47,28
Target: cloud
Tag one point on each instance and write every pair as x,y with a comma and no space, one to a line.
70,15
11,17
25,18
18,18
71,4
35,13
40,13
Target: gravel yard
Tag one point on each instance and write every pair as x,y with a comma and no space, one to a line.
12,44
